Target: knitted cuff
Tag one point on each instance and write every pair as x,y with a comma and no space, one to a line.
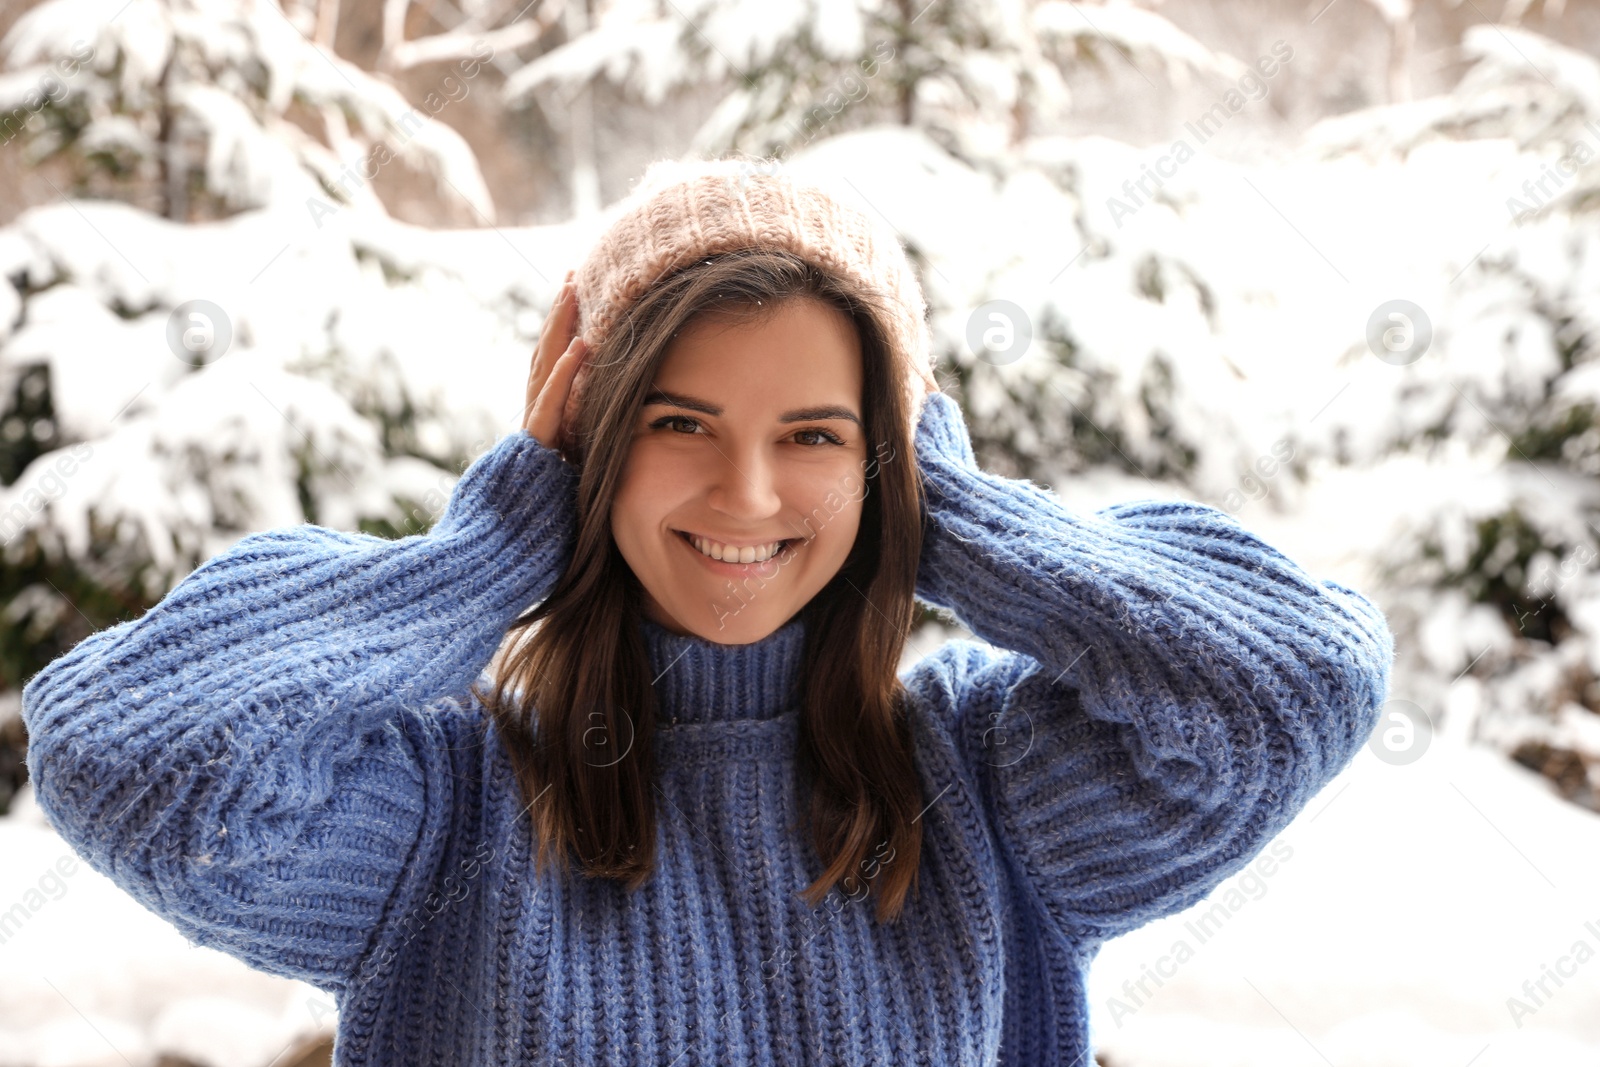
517,487
941,433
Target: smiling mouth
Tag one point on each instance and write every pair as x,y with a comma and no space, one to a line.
717,552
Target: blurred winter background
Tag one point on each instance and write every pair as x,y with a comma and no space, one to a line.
1332,266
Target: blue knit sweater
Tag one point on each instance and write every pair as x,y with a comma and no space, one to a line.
282,759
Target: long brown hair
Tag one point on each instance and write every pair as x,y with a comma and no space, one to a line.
577,664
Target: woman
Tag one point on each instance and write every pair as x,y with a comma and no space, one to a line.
694,816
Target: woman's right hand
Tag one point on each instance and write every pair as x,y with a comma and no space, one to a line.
555,362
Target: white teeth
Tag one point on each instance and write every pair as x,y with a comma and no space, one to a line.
729,554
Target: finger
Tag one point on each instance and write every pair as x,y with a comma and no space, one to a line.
553,340
532,399
538,371
544,420
566,314
562,375
556,304
557,333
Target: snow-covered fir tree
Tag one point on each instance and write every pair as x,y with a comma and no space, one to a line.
216,327
1496,577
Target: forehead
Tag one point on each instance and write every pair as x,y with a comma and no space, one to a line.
801,347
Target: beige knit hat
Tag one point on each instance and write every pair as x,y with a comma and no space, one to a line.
684,210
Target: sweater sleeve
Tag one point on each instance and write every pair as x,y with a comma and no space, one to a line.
1171,692
250,759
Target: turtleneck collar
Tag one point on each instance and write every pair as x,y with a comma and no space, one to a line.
700,681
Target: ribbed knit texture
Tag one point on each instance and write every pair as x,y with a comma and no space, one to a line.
281,759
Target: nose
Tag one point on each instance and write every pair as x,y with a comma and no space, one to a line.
745,486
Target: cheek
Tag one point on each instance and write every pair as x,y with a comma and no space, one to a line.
651,485
832,503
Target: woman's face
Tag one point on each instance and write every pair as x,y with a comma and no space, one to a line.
752,434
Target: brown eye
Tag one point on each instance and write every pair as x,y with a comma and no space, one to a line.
676,421
827,436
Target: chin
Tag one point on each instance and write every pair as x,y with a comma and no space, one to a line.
743,628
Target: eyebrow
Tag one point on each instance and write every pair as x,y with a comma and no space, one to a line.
694,403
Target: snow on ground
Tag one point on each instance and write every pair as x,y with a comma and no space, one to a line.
92,979
1398,923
